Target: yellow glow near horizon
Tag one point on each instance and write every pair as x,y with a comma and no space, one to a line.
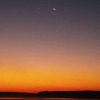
40,76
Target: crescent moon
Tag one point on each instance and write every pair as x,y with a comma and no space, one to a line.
54,8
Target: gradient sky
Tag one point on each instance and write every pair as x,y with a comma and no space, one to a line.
49,45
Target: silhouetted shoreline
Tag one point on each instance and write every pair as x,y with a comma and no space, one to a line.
53,94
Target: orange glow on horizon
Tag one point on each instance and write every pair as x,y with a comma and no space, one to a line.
41,78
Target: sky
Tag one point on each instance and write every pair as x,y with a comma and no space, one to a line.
49,45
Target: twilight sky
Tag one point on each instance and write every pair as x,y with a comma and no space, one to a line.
49,45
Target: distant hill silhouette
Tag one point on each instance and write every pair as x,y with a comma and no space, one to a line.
70,94
54,94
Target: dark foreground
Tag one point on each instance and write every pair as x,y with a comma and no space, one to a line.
53,94
44,99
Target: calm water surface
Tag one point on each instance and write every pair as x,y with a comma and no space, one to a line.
44,99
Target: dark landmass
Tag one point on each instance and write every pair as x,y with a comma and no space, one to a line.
16,94
70,94
54,94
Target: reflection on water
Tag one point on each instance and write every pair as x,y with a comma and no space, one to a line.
43,99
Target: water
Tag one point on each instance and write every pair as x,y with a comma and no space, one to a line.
44,99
